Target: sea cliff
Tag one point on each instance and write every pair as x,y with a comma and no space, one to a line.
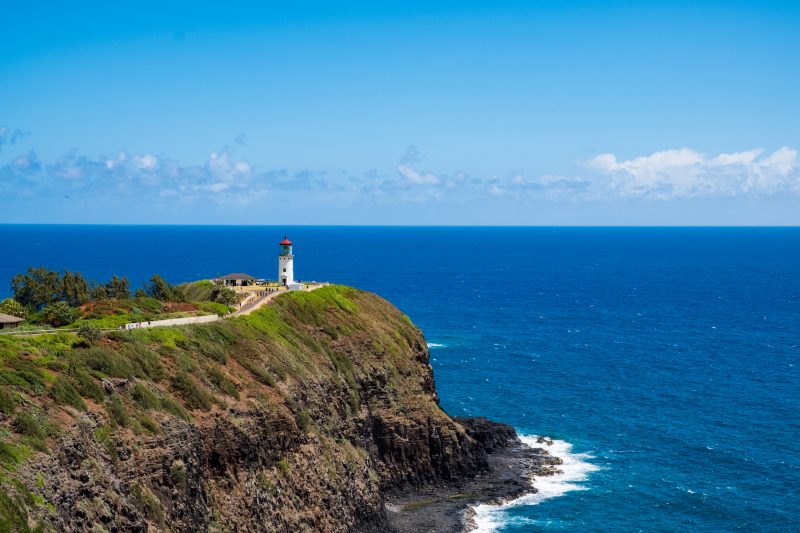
316,413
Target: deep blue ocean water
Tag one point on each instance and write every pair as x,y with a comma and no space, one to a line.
671,356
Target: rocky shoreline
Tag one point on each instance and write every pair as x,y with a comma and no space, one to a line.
447,507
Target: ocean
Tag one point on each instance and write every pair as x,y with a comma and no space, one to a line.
664,361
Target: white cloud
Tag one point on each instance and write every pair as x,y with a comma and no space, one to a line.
223,169
145,161
425,178
686,173
111,163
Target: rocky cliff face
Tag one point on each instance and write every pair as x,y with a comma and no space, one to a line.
296,418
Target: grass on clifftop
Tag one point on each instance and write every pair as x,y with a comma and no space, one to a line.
136,380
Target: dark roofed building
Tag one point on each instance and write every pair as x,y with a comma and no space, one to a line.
237,280
8,321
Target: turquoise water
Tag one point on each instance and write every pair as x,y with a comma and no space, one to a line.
667,358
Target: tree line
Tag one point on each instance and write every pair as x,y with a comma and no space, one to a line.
56,294
39,288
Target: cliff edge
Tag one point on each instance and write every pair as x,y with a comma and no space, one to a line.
302,416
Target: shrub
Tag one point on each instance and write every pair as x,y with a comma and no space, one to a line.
89,333
86,385
283,466
104,436
60,314
11,454
218,379
303,420
64,393
178,474
257,370
28,425
171,406
13,515
145,362
148,503
27,375
145,397
116,409
195,397
149,424
7,402
106,361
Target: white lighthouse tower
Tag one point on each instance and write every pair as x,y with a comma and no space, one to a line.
286,263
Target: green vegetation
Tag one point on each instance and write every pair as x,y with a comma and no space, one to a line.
148,503
207,291
12,307
26,424
89,333
140,383
85,384
160,289
116,409
303,419
59,314
178,474
59,299
419,504
283,466
64,392
8,402
116,289
13,512
194,396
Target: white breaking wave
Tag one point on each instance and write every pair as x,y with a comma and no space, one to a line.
574,470
436,345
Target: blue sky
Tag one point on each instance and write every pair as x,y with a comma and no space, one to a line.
400,113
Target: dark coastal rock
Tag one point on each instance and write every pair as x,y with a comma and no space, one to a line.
490,435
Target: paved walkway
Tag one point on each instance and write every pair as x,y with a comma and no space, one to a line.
254,304
202,319
263,300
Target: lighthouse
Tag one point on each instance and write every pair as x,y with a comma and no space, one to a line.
286,263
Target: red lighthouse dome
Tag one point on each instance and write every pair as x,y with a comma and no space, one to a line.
285,241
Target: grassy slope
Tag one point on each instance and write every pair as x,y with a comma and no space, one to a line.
303,341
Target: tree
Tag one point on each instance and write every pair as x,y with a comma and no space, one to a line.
223,295
118,288
161,289
60,314
140,293
99,292
12,307
36,288
74,289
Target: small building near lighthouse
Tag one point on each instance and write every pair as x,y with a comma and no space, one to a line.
286,264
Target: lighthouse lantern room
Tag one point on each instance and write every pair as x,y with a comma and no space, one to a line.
286,263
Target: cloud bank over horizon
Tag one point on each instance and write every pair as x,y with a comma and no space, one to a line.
228,183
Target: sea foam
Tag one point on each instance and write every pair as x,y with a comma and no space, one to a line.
574,470
436,345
